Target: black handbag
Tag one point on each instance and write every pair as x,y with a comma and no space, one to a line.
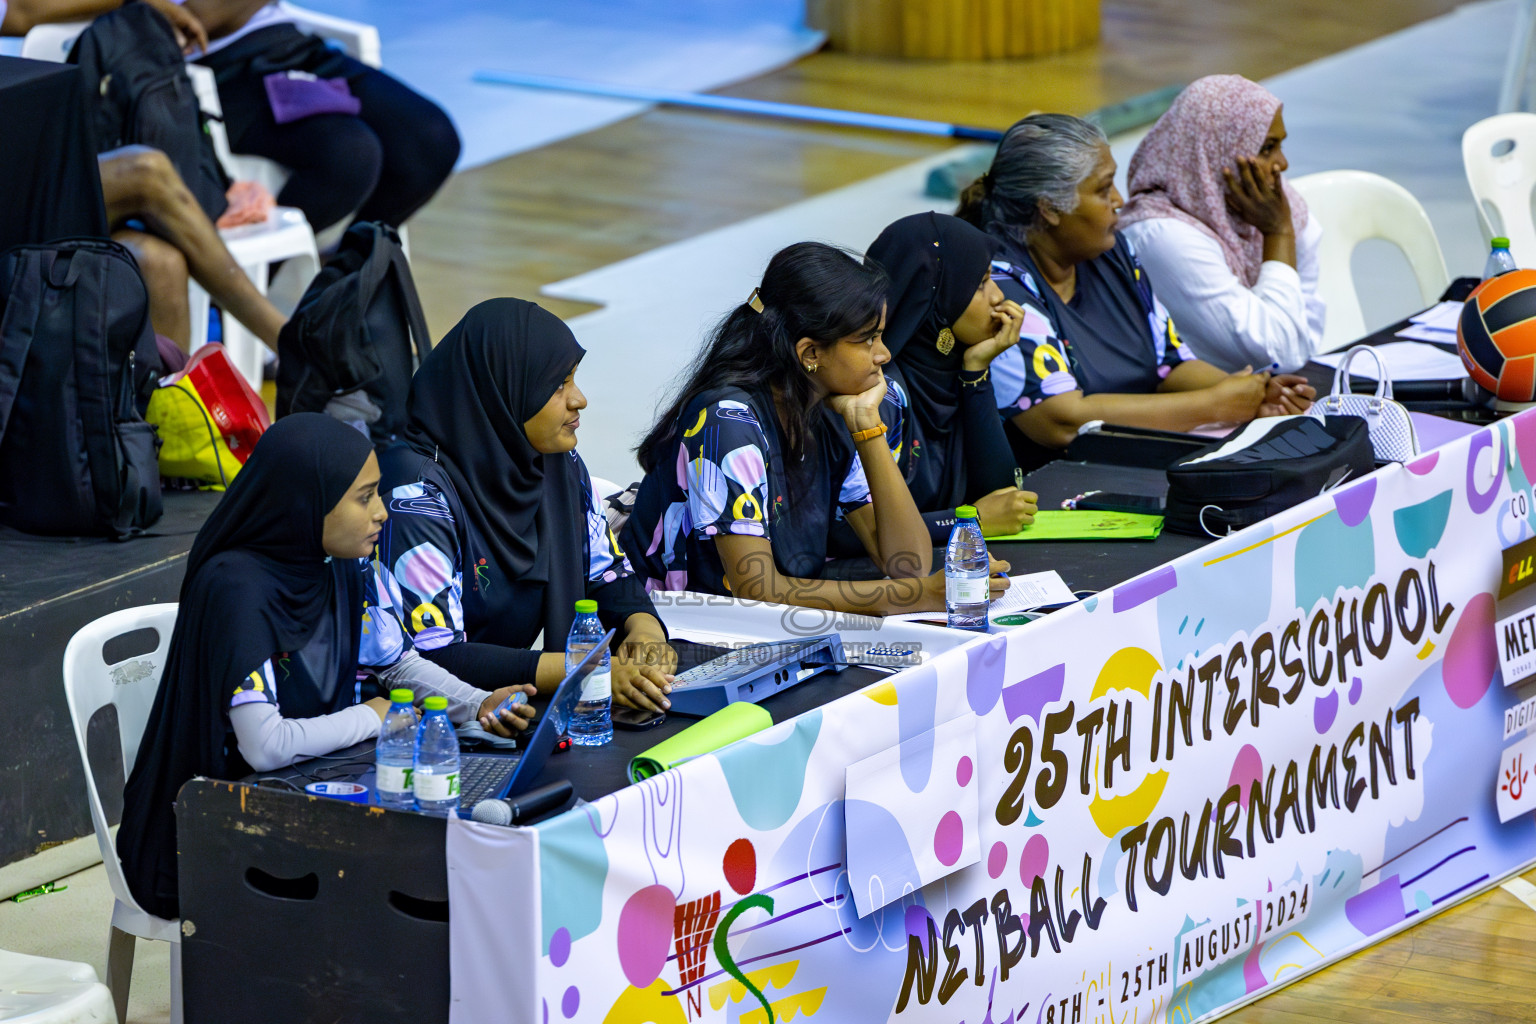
1263,468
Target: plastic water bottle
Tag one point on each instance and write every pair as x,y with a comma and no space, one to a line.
435,774
1499,259
395,757
592,724
966,568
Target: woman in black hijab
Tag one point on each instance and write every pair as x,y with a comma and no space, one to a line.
495,530
263,663
947,322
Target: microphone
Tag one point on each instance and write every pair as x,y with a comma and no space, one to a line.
525,807
1461,389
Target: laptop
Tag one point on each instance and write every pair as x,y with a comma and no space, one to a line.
481,776
498,776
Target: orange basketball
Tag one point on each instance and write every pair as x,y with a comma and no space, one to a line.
1496,335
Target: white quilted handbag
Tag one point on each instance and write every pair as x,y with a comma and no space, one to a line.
1392,435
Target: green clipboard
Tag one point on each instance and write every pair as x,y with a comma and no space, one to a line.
726,726
1084,525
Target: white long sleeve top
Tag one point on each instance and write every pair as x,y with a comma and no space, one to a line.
267,740
1277,321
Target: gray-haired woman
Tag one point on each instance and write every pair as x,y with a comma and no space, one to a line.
1096,343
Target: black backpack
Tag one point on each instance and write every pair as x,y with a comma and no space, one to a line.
133,71
356,338
77,364
1263,468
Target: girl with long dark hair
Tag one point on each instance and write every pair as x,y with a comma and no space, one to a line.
775,432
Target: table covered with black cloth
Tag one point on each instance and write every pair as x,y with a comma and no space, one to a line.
49,185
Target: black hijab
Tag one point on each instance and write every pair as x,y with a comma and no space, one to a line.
935,263
516,508
257,583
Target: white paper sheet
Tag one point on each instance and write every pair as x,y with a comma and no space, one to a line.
1424,332
1442,315
1033,590
1406,360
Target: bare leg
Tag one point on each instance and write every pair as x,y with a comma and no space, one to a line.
140,182
165,275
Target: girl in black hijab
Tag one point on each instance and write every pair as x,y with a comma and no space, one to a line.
263,663
777,430
495,530
947,322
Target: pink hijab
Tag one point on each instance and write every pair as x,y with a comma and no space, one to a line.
1176,171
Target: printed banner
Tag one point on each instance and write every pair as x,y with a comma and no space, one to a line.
1192,789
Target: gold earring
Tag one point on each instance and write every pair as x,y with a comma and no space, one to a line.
811,367
945,341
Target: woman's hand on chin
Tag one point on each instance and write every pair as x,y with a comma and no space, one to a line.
511,721
860,411
1008,319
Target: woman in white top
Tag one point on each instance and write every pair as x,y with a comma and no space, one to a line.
1229,246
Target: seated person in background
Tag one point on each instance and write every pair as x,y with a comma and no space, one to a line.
269,635
140,185
379,158
1228,243
495,530
947,322
1096,343
18,17
776,428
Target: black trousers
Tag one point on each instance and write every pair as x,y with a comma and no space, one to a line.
383,164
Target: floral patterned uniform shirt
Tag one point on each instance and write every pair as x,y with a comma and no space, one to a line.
1114,337
728,476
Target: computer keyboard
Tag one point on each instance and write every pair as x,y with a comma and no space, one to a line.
753,672
483,776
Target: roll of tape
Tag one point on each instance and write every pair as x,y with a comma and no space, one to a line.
352,791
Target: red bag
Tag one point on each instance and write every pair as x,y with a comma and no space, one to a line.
209,419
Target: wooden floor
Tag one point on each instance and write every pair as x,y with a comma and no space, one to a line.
1470,965
513,226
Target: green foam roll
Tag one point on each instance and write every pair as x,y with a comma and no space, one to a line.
729,724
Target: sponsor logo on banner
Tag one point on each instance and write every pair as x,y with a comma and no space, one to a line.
1516,624
1519,718
1517,787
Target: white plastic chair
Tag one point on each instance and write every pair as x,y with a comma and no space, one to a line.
90,684
1353,206
605,488
1499,154
39,990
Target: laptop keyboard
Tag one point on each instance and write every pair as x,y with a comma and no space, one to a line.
484,776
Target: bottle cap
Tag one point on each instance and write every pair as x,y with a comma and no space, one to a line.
402,696
965,512
586,607
1500,243
435,703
